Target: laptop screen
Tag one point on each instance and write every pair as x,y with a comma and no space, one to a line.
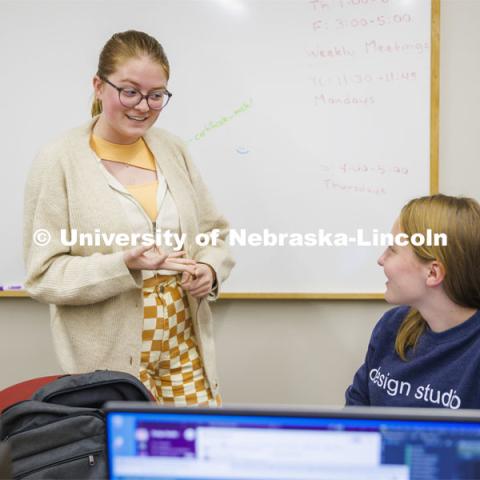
351,444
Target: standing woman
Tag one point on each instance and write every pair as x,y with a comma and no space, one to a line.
426,353
140,309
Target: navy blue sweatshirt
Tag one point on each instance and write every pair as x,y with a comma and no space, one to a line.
443,370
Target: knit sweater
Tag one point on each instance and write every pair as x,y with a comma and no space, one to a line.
442,370
96,301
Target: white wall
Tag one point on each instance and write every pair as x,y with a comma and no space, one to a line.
298,351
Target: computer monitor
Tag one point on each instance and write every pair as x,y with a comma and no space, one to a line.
152,442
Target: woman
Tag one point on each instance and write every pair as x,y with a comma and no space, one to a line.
140,309
427,352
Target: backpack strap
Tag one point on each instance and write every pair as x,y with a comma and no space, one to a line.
93,389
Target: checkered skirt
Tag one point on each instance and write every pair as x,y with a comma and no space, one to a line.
170,365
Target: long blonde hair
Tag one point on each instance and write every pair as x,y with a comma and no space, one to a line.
121,47
459,219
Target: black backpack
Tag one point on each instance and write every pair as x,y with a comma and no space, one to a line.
60,432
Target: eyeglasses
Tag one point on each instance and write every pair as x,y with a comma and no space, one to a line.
130,97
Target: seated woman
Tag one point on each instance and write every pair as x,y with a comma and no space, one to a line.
426,353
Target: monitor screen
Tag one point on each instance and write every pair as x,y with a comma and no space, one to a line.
234,444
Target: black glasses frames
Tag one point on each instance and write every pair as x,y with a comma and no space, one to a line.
153,99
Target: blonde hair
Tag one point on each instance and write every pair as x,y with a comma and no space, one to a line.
121,47
459,219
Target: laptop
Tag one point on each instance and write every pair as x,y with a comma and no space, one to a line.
153,442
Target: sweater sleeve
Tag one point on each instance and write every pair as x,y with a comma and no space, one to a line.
217,254
357,393
54,275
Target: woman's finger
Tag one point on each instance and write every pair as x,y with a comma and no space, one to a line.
197,285
187,280
178,267
177,254
184,261
199,293
140,250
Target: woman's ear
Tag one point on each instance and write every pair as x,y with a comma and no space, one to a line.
97,86
436,274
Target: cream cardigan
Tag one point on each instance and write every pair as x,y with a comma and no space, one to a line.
96,302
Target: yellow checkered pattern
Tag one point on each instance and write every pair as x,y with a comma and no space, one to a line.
170,365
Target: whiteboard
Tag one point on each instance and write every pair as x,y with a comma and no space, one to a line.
303,116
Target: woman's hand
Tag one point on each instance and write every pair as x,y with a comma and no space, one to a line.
149,257
199,284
